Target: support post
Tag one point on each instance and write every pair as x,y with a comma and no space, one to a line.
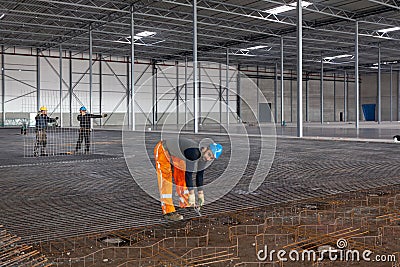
282,87
321,88
220,94
291,95
186,67
37,77
199,99
70,89
195,69
398,95
345,96
60,84
3,87
132,76
90,67
276,93
257,94
238,110
299,69
379,100
153,91
356,81
334,97
128,86
177,93
227,88
307,102
100,87
391,93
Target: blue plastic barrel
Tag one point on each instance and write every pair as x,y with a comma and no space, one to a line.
369,111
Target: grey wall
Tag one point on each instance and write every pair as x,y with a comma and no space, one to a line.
20,87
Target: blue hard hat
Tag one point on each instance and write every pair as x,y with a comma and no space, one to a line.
83,108
216,150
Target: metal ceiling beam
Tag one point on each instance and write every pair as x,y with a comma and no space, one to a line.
245,27
388,3
93,6
106,19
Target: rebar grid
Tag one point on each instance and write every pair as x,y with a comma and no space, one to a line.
134,252
58,248
336,220
14,253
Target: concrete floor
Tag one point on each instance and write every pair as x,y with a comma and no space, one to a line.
63,196
367,130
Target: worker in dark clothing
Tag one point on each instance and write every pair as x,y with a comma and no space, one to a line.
179,159
42,121
85,123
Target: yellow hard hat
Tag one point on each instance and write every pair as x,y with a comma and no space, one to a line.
43,108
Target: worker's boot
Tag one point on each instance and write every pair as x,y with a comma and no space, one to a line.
173,216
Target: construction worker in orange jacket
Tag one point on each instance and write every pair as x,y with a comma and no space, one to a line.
179,158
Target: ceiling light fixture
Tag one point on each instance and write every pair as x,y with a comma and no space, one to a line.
138,36
257,47
285,8
392,29
339,56
145,34
2,16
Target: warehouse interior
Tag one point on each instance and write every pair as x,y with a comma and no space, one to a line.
304,97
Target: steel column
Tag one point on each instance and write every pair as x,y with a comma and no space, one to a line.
177,93
334,97
282,86
156,94
61,83
307,102
3,87
238,110
220,93
100,87
153,91
132,76
291,95
345,96
128,86
391,93
37,78
257,95
299,69
276,93
90,67
186,66
199,100
227,88
356,81
321,93
70,89
379,100
398,95
195,78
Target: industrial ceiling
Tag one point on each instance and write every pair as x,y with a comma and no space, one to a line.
250,31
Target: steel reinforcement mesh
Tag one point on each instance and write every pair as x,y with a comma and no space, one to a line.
47,198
